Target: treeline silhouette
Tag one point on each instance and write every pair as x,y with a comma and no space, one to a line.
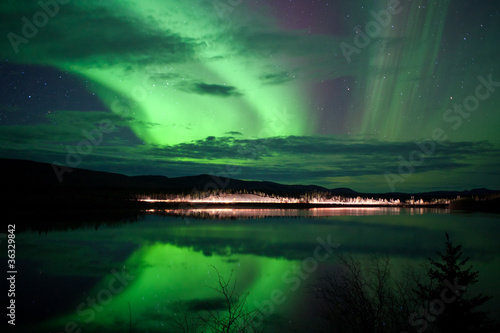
489,203
30,186
435,298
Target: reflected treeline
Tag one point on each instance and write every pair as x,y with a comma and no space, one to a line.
297,236
221,213
227,214
45,222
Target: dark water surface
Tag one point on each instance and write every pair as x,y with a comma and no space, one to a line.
103,279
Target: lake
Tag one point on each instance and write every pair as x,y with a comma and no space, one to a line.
146,274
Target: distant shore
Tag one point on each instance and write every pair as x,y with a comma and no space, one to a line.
274,205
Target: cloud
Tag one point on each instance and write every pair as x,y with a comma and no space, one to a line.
61,128
214,90
110,35
230,147
280,159
276,78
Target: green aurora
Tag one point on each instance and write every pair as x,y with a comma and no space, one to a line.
262,88
165,262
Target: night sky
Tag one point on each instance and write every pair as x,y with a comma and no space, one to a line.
376,96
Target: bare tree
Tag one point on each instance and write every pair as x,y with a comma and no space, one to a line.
233,317
185,321
360,299
433,298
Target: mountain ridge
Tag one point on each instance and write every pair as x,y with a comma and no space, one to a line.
23,174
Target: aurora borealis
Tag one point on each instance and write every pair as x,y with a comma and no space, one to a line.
168,262
258,90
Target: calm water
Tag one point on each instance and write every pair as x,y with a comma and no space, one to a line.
103,279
